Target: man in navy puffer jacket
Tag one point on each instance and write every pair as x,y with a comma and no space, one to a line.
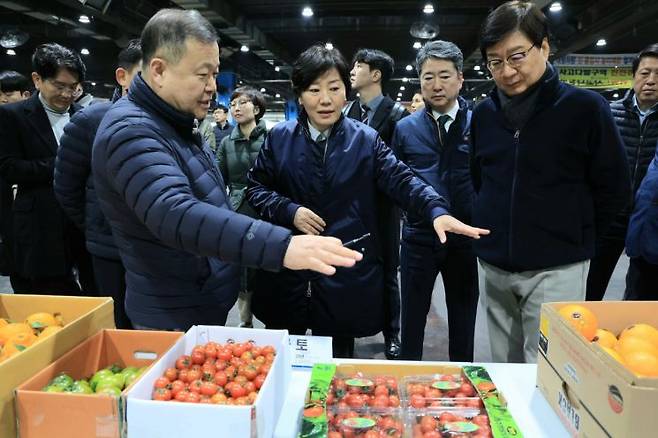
157,184
74,186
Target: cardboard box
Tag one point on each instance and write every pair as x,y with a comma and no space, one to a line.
82,317
593,394
86,415
148,418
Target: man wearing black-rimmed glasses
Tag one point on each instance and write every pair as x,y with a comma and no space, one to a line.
549,173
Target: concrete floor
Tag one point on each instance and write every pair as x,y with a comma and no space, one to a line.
436,330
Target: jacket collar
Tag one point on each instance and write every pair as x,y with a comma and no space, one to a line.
37,117
141,94
259,130
302,123
463,107
548,89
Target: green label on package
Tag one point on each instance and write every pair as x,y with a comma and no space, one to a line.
359,423
445,385
460,427
316,426
501,420
359,382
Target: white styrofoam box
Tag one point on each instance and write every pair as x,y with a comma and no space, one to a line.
148,418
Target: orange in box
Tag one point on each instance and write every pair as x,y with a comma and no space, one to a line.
69,415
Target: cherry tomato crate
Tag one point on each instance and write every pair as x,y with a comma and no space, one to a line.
147,418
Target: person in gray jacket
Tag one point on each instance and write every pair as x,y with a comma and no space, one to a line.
235,156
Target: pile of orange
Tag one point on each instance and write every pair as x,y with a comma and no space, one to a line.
636,347
17,336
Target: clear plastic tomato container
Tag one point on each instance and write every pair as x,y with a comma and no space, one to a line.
365,423
448,423
359,391
439,391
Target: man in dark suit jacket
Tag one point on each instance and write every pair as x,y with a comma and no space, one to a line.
46,244
371,70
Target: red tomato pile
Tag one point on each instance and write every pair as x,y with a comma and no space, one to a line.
453,424
441,391
364,423
223,374
359,391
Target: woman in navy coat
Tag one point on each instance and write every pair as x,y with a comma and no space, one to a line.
320,174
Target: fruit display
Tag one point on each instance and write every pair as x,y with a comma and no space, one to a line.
364,423
223,374
448,423
15,337
359,391
108,381
636,347
441,390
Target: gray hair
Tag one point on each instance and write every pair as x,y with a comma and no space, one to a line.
166,32
440,50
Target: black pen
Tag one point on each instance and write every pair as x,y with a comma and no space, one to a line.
358,239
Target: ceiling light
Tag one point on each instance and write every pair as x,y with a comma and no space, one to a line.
84,51
428,9
480,72
405,79
262,90
398,99
399,94
555,7
616,95
93,84
277,95
358,94
83,19
244,48
409,67
11,52
329,46
476,68
402,88
483,95
277,68
307,12
602,42
418,45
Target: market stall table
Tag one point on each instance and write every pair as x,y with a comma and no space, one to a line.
517,383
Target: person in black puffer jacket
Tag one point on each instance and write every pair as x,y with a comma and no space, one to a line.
74,186
636,116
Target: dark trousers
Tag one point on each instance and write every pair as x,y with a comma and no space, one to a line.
83,264
111,282
390,232
61,285
420,264
342,346
602,265
641,281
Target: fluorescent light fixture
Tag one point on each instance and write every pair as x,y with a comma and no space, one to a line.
476,68
402,88
262,90
405,79
93,84
398,99
277,68
11,52
602,42
84,19
409,67
555,7
616,95
483,95
429,8
329,46
399,94
277,95
307,12
244,48
418,45
480,72
84,52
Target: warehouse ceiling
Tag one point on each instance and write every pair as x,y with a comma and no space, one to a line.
275,31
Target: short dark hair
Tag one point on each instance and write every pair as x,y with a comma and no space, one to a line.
313,63
255,96
219,106
131,55
649,51
168,29
376,60
49,58
510,17
11,80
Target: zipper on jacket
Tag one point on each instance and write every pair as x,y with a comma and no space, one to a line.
643,127
511,204
308,290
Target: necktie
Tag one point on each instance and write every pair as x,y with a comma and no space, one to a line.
443,134
364,114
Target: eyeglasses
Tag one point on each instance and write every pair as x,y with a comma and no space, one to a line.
241,102
61,87
514,60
